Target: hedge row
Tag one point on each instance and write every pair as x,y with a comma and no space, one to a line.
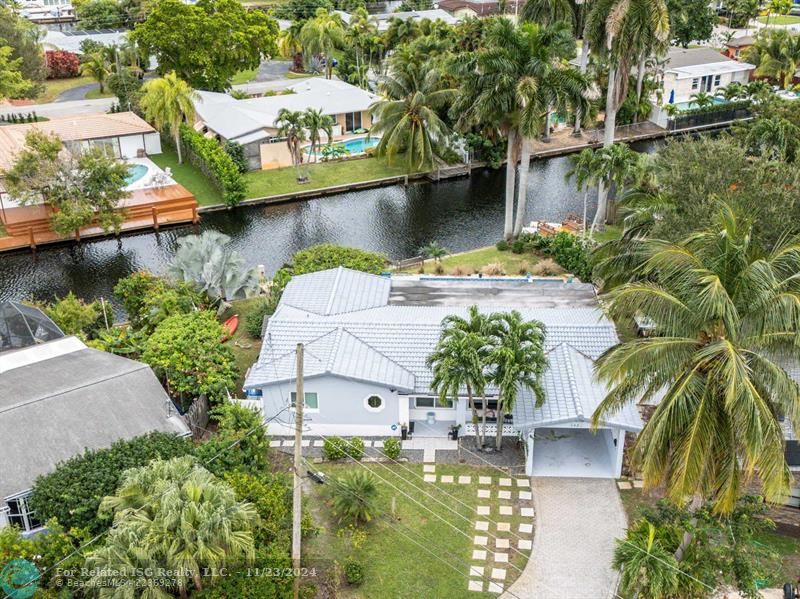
207,155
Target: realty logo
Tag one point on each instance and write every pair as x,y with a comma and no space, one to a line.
18,579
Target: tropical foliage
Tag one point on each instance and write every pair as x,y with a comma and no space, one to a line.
168,102
211,158
353,496
776,52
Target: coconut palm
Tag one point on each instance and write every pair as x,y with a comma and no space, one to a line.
97,66
727,314
702,99
774,137
733,91
517,361
176,514
322,35
408,118
400,32
514,84
616,165
168,102
361,29
315,123
777,54
290,44
290,124
354,497
434,250
585,171
647,566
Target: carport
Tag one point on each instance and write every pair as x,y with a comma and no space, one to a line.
559,438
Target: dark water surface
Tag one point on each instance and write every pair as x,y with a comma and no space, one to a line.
460,214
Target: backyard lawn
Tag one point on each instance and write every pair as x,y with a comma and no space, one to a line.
54,87
189,176
243,76
397,566
245,348
94,94
326,174
472,262
780,20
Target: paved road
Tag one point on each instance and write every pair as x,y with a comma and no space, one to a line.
577,520
62,109
270,70
76,93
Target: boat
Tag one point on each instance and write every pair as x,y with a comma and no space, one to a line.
230,326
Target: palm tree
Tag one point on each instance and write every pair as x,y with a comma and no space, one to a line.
177,514
585,170
777,54
354,496
727,317
702,100
322,35
361,29
646,564
434,250
774,137
408,116
733,91
517,360
615,165
167,103
315,123
290,124
290,45
400,32
457,362
97,67
514,84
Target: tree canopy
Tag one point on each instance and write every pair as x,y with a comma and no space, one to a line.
690,21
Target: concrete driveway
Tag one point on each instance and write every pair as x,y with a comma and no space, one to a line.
576,522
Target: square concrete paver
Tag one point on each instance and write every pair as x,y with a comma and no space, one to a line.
288,443
480,540
484,510
367,443
501,558
428,468
504,494
479,554
476,570
481,525
525,544
505,482
475,585
527,495
485,480
319,443
624,484
638,484
506,510
274,443
501,543
526,528
526,512
429,478
523,482
464,480
494,587
378,444
499,573
503,527
305,442
447,478
483,493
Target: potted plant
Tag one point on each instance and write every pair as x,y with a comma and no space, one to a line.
454,432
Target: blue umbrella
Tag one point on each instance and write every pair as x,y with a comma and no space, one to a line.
672,97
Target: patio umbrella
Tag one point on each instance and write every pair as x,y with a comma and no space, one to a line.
672,97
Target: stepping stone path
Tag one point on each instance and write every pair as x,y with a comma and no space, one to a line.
429,468
484,493
481,525
504,494
429,478
447,478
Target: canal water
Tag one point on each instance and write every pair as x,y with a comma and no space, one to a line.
461,214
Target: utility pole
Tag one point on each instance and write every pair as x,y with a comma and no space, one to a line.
297,498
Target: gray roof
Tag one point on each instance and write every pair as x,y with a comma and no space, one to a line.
685,57
336,291
54,408
572,394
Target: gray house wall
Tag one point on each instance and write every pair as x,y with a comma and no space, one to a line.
342,409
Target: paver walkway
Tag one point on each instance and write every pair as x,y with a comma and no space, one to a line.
577,520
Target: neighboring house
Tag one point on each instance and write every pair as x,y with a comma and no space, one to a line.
735,46
251,122
436,14
465,9
694,70
71,40
50,14
61,398
367,339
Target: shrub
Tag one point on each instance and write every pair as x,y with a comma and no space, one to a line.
546,268
148,299
502,245
242,583
76,317
254,320
336,448
243,426
185,351
458,271
73,491
518,246
62,64
355,448
392,447
211,158
353,573
569,251
438,269
236,152
328,255
494,269
354,496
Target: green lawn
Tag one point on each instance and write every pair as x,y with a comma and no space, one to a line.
611,232
243,76
189,176
780,20
95,94
244,347
472,262
789,550
284,180
293,75
394,565
54,87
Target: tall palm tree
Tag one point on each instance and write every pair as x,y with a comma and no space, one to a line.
617,165
585,171
727,314
291,125
167,103
322,35
774,137
408,116
360,30
315,123
514,83
776,52
458,361
97,67
290,44
648,568
517,361
177,514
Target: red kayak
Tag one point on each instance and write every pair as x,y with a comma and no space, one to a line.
230,326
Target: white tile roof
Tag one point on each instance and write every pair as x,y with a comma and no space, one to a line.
336,291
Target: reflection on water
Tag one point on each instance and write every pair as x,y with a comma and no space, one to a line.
460,214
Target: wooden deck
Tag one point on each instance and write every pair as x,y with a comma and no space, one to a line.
564,142
29,226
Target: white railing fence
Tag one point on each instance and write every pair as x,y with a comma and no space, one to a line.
491,429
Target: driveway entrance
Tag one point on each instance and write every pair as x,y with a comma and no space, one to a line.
574,452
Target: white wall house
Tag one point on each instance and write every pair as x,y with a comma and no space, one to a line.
367,339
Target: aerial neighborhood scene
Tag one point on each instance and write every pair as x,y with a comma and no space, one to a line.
399,299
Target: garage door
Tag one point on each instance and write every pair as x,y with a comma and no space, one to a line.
573,452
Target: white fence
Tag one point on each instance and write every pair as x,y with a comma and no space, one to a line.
491,429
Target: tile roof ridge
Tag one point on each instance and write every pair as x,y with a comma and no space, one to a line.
573,386
334,350
377,351
334,289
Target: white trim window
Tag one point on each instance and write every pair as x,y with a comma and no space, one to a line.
374,403
311,403
695,83
20,513
431,401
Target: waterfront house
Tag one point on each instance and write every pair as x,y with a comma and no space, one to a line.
59,399
736,45
367,339
382,19
251,122
466,9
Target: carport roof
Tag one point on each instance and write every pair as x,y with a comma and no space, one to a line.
572,394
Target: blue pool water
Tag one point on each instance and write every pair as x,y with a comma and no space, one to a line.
135,172
691,105
358,145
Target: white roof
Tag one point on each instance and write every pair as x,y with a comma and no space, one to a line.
233,119
436,14
71,40
689,63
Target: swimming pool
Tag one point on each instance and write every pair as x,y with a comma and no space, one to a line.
135,173
691,105
357,145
